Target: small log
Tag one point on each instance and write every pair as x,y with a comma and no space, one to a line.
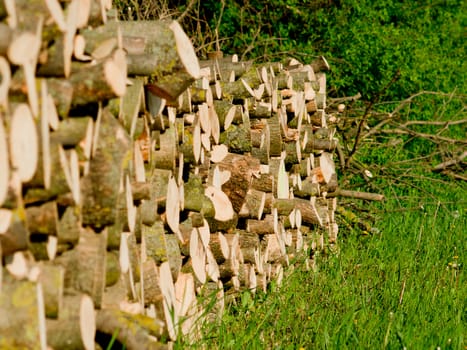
4,163
227,113
133,331
43,219
219,247
165,157
254,204
131,104
59,182
76,326
112,271
261,227
152,293
309,188
69,226
174,255
74,132
52,279
61,91
15,235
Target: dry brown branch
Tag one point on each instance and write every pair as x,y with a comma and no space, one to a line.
451,162
435,138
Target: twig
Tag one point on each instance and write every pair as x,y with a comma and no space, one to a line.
187,10
363,120
333,101
456,176
451,162
406,131
444,124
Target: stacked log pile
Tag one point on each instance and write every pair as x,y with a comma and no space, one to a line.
138,184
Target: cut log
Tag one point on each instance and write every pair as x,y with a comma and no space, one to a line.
130,105
222,205
5,74
133,331
254,204
43,219
76,326
85,266
100,187
16,236
24,143
195,198
22,324
4,163
98,82
52,279
170,304
236,138
169,57
23,51
241,169
153,243
152,294
59,182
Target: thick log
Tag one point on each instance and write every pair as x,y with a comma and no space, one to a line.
85,266
100,187
237,138
168,57
153,243
98,82
22,325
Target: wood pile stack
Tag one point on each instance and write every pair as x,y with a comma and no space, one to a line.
137,184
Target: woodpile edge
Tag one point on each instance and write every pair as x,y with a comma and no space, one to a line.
138,184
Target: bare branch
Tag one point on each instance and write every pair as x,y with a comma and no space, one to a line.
450,162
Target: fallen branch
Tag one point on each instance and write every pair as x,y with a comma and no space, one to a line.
356,194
